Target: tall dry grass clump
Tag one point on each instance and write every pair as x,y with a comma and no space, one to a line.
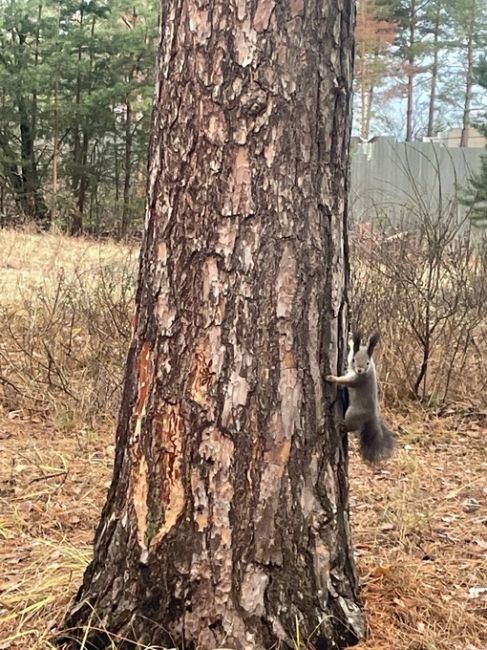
65,309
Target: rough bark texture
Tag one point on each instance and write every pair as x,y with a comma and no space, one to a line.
227,520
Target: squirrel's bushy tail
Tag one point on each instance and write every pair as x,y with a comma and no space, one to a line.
376,441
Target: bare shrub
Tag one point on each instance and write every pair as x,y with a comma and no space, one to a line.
422,282
63,340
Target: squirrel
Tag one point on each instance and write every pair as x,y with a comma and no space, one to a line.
362,414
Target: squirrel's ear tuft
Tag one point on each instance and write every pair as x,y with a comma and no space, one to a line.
374,339
357,338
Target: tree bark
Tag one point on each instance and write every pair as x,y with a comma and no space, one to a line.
226,522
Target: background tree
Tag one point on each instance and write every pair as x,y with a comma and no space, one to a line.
75,107
22,70
434,29
469,18
408,48
436,43
474,195
374,37
226,522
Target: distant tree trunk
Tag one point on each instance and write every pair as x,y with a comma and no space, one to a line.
362,75
55,146
226,523
11,173
434,72
128,141
116,167
468,85
370,102
32,199
76,225
128,167
36,64
83,181
410,73
82,140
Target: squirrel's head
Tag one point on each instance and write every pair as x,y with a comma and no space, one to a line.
362,354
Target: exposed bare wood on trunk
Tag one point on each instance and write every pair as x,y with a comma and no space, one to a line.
226,522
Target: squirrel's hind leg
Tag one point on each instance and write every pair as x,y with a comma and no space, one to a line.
352,420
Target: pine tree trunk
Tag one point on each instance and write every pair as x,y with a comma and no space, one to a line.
32,198
226,524
116,168
370,103
411,73
128,168
55,146
468,87
76,225
363,79
434,73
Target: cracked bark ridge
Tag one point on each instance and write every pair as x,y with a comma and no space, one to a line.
226,523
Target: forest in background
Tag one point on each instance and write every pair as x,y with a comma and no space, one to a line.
77,80
419,67
76,84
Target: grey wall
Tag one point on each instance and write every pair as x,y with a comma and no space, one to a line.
396,179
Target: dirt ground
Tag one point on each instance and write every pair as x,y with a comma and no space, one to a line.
419,524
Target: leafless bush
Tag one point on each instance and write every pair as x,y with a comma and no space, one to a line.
423,283
63,344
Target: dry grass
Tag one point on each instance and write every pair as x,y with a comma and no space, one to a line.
29,262
64,325
419,522
51,491
420,536
419,531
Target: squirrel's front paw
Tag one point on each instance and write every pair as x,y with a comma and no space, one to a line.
331,378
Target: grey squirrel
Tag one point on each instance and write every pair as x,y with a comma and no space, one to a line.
362,414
